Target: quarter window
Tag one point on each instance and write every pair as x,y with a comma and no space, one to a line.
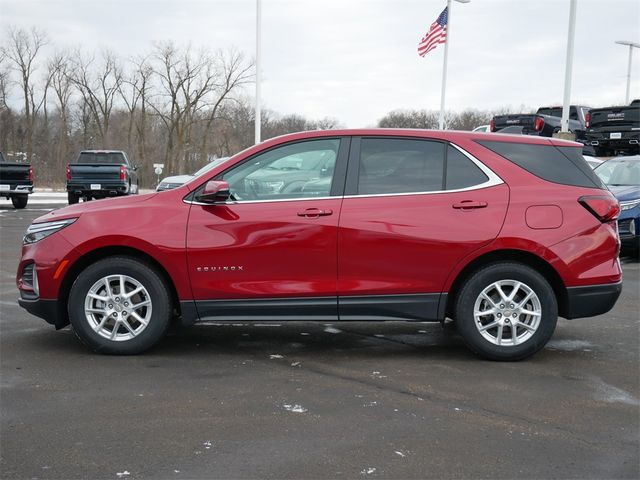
303,169
400,166
462,172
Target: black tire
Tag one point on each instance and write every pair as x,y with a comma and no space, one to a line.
601,152
19,201
470,293
159,314
73,198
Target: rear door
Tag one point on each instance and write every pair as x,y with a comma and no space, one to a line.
412,209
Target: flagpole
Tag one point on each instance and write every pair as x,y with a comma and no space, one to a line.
258,119
568,68
444,67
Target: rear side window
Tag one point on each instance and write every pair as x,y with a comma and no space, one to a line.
400,166
564,165
462,172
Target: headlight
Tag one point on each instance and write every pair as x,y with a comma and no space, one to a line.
38,231
629,204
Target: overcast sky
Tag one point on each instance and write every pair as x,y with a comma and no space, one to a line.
356,60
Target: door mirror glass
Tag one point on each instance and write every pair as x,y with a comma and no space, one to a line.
214,191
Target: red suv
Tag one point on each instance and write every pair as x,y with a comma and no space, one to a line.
501,233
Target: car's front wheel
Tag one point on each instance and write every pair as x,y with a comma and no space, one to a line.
119,305
506,311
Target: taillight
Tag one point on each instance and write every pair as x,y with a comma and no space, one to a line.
587,120
68,172
492,125
123,172
31,174
538,124
604,208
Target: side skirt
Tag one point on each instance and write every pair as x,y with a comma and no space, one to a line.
416,307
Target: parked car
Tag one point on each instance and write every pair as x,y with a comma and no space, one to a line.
592,161
614,130
544,123
16,182
622,176
99,174
482,128
501,233
169,183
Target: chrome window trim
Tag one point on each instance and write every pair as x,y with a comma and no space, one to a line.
493,180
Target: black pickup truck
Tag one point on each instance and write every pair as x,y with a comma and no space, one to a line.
100,174
613,130
16,182
544,123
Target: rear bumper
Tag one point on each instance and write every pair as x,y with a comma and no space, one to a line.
21,189
106,189
591,300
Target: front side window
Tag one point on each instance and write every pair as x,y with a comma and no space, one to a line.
299,170
400,166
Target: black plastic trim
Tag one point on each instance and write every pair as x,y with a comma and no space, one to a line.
49,310
269,309
422,307
591,300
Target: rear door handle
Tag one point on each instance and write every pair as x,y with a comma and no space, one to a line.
469,205
314,213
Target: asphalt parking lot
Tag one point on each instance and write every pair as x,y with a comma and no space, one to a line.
387,400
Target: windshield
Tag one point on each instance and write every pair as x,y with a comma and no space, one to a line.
617,173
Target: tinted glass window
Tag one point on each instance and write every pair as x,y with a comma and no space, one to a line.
400,166
462,172
91,157
297,170
559,165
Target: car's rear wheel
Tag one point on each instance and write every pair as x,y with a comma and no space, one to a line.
72,198
506,311
19,201
119,305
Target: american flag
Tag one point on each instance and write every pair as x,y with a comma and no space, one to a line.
437,34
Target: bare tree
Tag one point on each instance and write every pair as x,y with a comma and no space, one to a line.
60,72
22,50
98,86
409,119
233,73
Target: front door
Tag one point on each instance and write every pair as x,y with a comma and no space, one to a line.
271,251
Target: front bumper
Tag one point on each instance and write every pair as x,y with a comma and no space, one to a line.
591,300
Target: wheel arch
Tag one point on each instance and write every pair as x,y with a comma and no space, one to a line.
512,255
99,253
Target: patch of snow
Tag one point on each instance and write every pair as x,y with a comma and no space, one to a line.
368,471
295,364
295,408
207,445
123,474
275,356
332,330
568,345
610,394
400,453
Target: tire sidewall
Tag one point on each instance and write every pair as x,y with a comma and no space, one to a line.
506,271
158,294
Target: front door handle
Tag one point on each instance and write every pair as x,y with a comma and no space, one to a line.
469,205
314,213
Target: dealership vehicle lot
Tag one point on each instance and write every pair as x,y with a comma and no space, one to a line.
352,400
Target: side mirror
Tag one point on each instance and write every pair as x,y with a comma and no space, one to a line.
214,191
